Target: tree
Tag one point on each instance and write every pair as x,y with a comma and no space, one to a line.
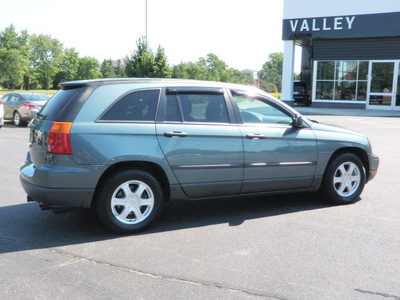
88,68
161,68
191,70
107,69
15,67
211,68
69,67
242,77
271,73
119,68
46,58
14,63
217,69
143,63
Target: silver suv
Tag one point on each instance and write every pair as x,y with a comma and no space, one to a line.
126,146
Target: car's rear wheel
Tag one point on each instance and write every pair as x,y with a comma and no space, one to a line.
129,200
17,119
344,179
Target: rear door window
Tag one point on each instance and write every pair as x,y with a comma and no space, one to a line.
136,106
196,107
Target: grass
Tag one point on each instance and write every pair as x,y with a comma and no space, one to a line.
46,92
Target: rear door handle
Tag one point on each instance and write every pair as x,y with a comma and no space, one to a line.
175,133
256,136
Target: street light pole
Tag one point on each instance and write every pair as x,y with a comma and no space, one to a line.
146,23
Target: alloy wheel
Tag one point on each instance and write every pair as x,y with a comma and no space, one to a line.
132,202
347,179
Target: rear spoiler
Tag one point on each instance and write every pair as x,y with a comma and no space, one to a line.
73,84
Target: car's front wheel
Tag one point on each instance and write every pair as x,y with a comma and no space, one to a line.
129,200
344,179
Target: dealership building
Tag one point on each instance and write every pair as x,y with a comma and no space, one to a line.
350,52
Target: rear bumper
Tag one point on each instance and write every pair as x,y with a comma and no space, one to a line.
58,198
301,99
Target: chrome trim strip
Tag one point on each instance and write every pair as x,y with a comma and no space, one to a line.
199,167
283,164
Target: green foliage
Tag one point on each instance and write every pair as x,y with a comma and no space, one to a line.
269,87
107,69
112,68
49,93
14,54
119,68
68,69
144,64
161,68
88,68
271,73
211,68
46,58
39,61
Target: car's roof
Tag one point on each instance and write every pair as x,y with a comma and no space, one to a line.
158,81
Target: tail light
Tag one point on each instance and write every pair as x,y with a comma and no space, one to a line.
1,102
58,141
30,106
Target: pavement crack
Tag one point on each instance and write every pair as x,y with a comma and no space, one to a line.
378,294
164,277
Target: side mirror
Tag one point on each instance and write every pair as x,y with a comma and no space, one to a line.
298,121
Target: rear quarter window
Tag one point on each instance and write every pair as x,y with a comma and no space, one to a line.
135,106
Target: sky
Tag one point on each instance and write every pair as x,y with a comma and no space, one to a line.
241,33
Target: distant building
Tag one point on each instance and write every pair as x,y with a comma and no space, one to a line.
350,52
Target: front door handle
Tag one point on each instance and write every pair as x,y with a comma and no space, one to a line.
175,133
256,136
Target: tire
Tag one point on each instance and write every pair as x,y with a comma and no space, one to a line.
129,200
344,179
17,119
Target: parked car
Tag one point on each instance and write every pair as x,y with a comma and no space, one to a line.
1,113
22,107
301,93
126,146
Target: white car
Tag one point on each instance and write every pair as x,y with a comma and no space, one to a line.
1,113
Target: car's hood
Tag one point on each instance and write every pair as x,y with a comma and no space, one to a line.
334,128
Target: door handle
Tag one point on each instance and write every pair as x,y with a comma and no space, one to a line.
255,136
175,133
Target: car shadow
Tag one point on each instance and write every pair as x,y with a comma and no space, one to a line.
10,124
26,227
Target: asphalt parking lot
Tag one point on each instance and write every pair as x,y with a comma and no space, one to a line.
281,247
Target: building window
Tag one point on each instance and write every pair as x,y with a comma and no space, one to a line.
341,80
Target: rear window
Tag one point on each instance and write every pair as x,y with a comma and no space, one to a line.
299,87
56,104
